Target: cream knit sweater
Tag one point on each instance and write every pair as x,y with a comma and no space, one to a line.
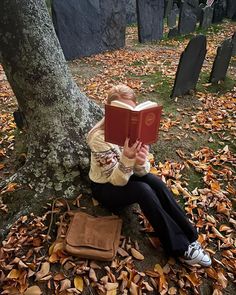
108,163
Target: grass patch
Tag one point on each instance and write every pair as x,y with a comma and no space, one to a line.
161,86
138,63
193,178
221,88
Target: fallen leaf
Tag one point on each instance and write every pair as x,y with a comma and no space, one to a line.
45,268
33,290
79,283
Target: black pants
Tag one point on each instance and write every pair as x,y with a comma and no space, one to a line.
158,205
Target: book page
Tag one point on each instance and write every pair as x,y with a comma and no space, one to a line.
145,105
120,104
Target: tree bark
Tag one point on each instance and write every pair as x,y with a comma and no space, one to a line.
57,113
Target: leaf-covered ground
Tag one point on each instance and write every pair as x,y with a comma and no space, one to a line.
195,156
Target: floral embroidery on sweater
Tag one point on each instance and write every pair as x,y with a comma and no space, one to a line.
124,169
107,160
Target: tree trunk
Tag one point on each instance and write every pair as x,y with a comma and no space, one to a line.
58,115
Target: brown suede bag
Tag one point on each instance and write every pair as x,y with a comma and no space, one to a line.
91,237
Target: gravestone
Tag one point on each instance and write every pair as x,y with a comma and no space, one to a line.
168,6
189,67
150,15
131,11
171,19
188,17
219,12
88,27
199,12
221,61
173,32
234,44
231,9
207,15
176,8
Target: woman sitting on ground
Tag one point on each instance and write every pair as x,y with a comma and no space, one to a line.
120,177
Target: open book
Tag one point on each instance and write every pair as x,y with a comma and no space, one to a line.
140,122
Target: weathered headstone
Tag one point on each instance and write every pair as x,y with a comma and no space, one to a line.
176,8
231,8
199,12
188,17
221,61
234,44
168,6
150,19
189,67
171,19
88,27
207,15
173,32
219,12
131,11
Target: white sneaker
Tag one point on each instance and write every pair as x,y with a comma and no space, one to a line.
196,245
196,255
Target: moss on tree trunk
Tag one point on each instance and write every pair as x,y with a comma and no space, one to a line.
57,113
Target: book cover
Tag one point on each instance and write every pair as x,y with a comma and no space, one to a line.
141,122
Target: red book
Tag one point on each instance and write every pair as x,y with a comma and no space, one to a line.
140,122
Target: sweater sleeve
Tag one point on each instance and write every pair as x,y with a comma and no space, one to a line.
141,170
107,163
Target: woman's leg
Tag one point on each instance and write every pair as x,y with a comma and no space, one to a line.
170,233
169,204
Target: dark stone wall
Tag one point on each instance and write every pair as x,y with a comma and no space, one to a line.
150,19
88,27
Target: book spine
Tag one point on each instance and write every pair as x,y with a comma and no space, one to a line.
134,126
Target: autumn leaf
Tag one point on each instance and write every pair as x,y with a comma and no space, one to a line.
34,290
44,270
79,283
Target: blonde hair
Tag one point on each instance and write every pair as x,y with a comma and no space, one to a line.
121,91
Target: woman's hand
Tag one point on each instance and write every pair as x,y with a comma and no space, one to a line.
131,152
141,155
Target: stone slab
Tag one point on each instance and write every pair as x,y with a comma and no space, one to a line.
131,11
219,12
207,15
168,5
150,20
173,32
189,67
231,9
171,19
221,61
88,27
188,17
234,44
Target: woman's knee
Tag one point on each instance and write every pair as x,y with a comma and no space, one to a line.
144,190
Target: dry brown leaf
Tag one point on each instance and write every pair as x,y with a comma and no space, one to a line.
92,275
147,286
159,269
122,252
44,270
65,284
172,291
133,289
59,277
136,254
111,286
53,258
222,279
14,274
79,283
33,290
